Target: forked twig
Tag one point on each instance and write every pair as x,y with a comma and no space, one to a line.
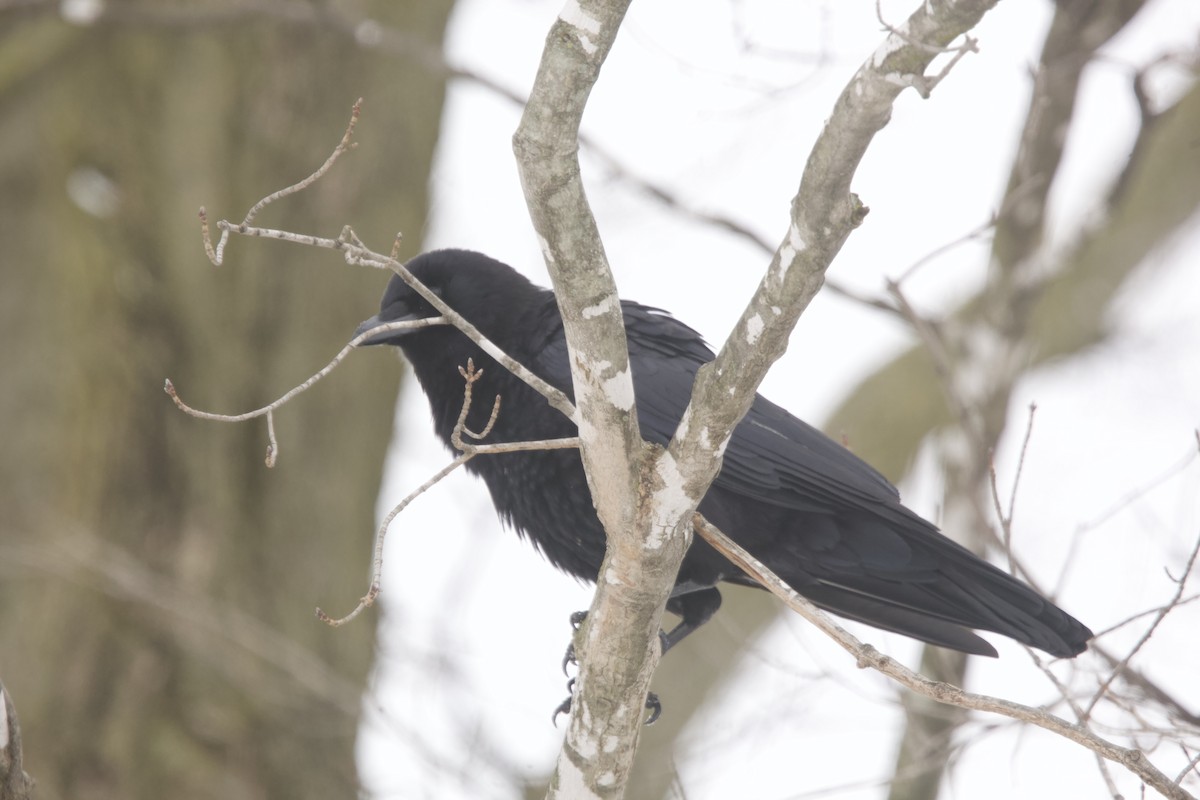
357,253
470,375
1180,585
217,254
467,451
269,410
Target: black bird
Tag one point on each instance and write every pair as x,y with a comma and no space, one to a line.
820,517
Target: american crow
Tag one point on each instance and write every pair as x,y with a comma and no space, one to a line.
821,518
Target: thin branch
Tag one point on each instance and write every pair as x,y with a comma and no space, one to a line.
468,451
387,327
1191,765
867,656
1132,618
1173,603
943,365
1011,199
380,535
1006,519
342,146
355,253
1012,499
272,442
1140,492
217,254
470,375
269,409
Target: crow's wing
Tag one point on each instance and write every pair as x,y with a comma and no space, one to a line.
864,555
773,457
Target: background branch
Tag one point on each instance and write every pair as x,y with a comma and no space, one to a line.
867,656
14,783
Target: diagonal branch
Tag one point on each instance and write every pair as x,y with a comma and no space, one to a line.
824,212
467,451
269,410
867,656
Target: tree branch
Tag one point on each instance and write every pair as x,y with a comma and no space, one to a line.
645,545
867,656
823,214
14,783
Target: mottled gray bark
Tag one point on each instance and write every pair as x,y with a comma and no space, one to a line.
644,497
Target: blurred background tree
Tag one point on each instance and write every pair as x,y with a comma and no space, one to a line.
157,579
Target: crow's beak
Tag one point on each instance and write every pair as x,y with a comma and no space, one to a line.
381,338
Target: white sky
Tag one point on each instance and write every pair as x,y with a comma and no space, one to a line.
475,620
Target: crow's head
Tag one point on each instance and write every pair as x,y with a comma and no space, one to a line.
488,293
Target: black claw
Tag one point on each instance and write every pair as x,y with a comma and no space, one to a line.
569,657
565,706
577,619
654,706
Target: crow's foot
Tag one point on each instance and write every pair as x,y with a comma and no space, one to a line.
565,706
577,619
569,657
653,706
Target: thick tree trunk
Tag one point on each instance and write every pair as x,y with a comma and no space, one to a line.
158,579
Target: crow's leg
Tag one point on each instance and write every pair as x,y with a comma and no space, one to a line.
653,705
577,619
693,609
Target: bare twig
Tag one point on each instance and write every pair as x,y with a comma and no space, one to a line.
1017,194
1173,603
1132,618
377,562
1139,492
470,375
356,253
1006,518
468,451
867,656
943,364
217,254
269,409
342,146
1191,766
